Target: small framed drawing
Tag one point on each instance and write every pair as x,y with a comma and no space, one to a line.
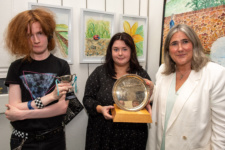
63,17
97,28
136,26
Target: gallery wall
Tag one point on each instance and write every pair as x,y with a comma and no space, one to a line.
76,129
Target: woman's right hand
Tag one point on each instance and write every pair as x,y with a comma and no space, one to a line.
105,111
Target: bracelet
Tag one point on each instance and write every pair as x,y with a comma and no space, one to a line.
39,103
29,105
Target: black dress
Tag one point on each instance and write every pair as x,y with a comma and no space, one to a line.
104,134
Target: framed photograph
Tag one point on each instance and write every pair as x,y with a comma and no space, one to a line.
207,20
63,30
97,28
136,26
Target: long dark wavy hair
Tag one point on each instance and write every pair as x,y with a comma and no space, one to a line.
109,63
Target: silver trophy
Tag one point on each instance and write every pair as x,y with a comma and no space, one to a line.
131,93
74,106
67,79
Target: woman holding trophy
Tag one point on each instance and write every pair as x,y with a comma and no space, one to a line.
102,133
189,96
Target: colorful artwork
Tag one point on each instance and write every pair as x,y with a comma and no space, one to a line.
207,18
97,37
137,33
63,30
136,27
62,37
97,28
63,34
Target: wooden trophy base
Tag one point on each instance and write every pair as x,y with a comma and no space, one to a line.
141,116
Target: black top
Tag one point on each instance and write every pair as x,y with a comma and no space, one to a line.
36,79
102,133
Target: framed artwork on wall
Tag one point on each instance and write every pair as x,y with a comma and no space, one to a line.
3,94
3,88
63,16
136,26
97,28
207,20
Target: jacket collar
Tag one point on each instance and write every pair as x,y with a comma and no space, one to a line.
188,88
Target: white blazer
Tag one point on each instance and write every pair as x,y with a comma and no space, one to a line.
197,121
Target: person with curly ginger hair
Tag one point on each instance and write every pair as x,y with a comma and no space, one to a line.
36,105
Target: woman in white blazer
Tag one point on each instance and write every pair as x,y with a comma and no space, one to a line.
188,110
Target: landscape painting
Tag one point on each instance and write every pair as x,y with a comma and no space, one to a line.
63,29
97,30
207,18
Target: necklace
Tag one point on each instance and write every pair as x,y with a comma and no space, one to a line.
182,75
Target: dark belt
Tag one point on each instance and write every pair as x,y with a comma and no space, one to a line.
38,135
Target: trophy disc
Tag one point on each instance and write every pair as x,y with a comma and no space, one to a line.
131,93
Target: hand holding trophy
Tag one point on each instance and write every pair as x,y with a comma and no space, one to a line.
74,104
67,79
131,94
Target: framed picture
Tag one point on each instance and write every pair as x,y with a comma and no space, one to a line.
136,26
63,30
207,20
97,28
3,88
3,94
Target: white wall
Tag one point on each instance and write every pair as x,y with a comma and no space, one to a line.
76,129
154,36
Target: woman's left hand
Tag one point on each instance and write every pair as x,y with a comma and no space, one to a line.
151,86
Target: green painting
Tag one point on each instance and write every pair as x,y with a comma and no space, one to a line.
63,31
97,37
178,6
62,37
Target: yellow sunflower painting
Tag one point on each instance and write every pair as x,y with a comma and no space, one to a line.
137,33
